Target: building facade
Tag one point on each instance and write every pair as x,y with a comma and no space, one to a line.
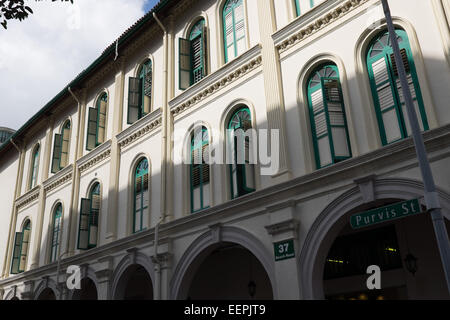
107,175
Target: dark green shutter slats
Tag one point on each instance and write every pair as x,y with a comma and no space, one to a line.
24,247
148,87
83,233
91,142
204,52
134,99
16,253
56,153
185,68
102,105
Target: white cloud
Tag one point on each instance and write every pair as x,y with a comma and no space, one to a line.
43,53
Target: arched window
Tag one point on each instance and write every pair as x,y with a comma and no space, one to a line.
97,123
88,226
327,116
242,171
55,232
140,93
192,56
34,167
141,195
199,170
21,244
386,88
234,29
61,148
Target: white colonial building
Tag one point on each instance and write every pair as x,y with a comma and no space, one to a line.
102,177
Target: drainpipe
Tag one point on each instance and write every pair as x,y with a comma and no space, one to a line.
75,183
156,261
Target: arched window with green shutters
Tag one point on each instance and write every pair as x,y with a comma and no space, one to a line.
200,170
327,116
61,148
141,195
242,171
55,232
21,244
89,215
34,167
193,56
97,123
233,29
140,93
386,89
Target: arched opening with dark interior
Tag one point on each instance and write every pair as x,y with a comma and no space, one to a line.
88,291
134,284
226,271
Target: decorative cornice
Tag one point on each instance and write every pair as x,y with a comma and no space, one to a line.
215,82
284,227
314,26
99,154
28,197
140,128
58,179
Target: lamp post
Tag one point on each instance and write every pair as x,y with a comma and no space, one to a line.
431,195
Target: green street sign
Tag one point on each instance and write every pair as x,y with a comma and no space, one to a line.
284,250
388,213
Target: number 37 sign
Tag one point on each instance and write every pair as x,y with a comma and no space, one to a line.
284,250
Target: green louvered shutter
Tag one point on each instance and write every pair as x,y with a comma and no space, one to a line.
56,153
83,231
388,114
146,105
185,67
320,127
24,247
91,142
340,146
16,253
134,99
101,121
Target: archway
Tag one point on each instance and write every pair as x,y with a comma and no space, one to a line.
88,291
227,271
134,284
335,257
47,294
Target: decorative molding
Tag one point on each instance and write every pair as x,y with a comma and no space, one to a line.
217,81
94,157
285,227
28,197
331,15
216,230
140,128
367,188
163,259
58,179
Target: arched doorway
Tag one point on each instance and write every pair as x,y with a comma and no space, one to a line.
410,264
134,284
88,291
47,294
226,271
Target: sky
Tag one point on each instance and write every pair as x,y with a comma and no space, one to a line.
42,54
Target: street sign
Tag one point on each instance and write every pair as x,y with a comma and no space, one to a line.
284,250
388,213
